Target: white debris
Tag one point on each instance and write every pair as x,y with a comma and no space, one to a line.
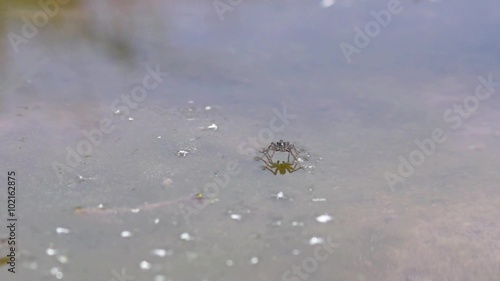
126,234
229,263
236,217
182,153
51,251
254,260
185,236
324,218
280,195
161,252
316,240
207,108
213,127
319,199
62,230
145,265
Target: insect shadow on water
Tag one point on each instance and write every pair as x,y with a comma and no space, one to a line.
280,166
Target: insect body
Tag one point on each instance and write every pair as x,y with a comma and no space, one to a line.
280,166
281,146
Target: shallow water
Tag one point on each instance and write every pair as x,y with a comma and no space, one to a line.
260,72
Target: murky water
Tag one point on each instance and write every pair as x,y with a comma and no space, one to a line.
132,130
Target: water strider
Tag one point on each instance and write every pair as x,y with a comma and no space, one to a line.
280,166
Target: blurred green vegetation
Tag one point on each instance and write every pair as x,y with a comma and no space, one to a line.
75,20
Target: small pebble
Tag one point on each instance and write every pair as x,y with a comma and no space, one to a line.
254,260
229,263
182,153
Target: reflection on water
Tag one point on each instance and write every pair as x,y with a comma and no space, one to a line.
134,126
